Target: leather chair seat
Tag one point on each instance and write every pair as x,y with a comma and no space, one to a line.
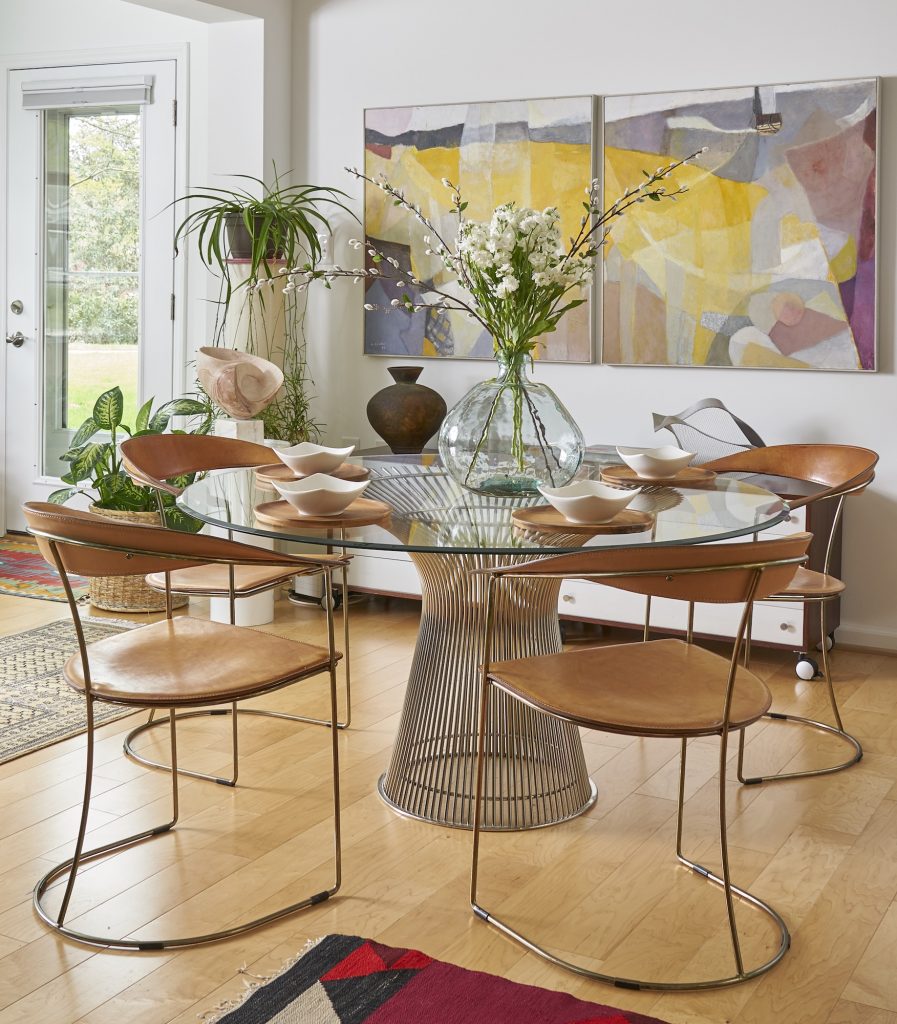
658,688
807,583
214,578
184,661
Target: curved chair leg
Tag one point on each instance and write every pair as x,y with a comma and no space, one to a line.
70,867
347,661
148,762
833,730
150,723
725,882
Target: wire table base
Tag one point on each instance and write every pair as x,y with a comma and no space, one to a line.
537,773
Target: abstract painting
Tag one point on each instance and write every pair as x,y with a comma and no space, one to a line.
770,259
536,153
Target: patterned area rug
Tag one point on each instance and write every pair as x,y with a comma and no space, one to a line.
37,707
24,573
343,979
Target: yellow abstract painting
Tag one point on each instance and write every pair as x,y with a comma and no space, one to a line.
535,153
769,259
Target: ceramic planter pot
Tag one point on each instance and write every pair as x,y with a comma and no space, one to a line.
406,414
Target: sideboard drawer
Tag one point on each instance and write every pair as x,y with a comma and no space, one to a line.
773,623
596,603
384,573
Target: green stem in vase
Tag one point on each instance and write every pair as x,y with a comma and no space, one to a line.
493,409
517,449
511,361
548,452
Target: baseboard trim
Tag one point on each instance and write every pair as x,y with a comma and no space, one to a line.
861,638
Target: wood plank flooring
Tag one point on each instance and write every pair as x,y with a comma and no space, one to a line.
603,887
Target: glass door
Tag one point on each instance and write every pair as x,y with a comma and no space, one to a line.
91,268
90,256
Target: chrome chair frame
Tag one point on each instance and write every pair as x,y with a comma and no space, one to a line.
724,881
235,710
838,730
71,865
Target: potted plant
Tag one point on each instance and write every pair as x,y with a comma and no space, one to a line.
95,461
272,225
282,223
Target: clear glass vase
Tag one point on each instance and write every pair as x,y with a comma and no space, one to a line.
509,434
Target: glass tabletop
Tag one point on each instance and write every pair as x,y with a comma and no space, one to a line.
430,512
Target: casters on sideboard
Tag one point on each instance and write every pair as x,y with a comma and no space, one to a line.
806,667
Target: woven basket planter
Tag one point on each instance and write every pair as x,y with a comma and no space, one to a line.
129,593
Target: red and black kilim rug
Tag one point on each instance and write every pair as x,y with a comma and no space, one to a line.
343,979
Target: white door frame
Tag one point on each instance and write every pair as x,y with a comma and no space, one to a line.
180,53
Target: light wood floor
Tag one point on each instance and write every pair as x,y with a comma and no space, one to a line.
824,852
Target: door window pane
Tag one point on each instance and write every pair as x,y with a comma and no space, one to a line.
91,267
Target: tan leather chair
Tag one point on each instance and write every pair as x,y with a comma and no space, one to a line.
664,688
839,470
162,461
157,460
175,663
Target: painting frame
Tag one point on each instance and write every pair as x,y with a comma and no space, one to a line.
592,295
871,349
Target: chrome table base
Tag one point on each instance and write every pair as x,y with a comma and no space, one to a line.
537,774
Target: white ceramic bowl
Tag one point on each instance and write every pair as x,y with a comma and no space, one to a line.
655,463
319,494
589,501
307,458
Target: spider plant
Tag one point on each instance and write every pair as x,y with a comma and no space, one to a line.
282,222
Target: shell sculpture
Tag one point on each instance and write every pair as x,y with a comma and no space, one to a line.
242,384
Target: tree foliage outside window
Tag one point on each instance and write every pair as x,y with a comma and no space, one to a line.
103,229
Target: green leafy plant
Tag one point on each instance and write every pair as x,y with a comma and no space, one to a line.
94,458
290,416
283,223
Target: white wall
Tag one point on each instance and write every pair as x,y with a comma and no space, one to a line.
49,25
352,54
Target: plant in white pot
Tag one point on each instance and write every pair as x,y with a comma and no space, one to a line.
96,472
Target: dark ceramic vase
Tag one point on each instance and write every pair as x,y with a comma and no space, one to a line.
406,414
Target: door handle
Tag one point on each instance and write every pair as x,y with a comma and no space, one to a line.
17,340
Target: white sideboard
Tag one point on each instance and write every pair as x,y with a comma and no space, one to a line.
780,624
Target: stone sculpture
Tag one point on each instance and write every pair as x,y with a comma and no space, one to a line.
242,384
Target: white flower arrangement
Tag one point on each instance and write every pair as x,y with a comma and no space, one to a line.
516,277
516,271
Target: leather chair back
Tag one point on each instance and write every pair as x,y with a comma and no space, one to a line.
839,468
156,458
716,573
90,545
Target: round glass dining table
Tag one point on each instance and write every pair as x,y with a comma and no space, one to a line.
537,773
